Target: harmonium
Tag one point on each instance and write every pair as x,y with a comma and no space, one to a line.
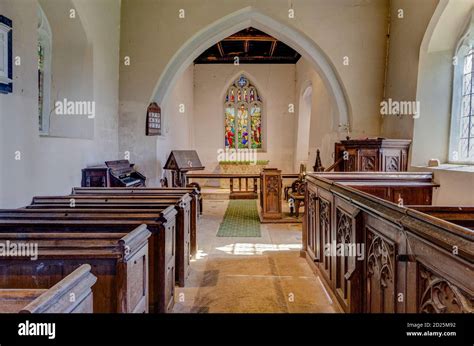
120,173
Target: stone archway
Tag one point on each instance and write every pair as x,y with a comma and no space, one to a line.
304,122
251,17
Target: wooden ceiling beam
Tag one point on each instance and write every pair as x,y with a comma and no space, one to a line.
221,50
272,49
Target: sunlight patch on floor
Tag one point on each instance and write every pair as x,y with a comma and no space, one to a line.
246,249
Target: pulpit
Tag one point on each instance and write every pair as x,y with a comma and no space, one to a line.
270,194
371,155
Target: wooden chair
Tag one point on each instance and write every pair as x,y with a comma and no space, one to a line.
296,198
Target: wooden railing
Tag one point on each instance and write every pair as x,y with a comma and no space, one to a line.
237,191
242,186
409,261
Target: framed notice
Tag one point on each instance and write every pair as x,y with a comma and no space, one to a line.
6,59
153,120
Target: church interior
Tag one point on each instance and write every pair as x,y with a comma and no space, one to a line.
237,156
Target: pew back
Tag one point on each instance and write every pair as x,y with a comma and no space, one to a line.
73,294
118,260
162,244
402,251
462,216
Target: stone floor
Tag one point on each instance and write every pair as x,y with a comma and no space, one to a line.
264,274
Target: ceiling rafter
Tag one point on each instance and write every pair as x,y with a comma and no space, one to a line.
251,46
272,49
221,50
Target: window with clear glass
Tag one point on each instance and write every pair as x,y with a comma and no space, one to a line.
466,138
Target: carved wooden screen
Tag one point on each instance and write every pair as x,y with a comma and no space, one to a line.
380,264
312,232
325,229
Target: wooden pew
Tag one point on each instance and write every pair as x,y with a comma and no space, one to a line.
406,188
118,260
196,204
73,294
406,261
462,216
119,204
161,244
126,195
134,210
143,191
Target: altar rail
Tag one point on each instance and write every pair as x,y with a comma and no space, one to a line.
409,262
239,182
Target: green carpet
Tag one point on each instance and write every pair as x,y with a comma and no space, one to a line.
240,220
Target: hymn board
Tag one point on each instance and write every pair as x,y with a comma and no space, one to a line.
153,120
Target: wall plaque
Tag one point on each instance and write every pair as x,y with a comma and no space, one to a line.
6,58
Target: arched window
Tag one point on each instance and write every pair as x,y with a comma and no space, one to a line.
243,116
44,71
462,117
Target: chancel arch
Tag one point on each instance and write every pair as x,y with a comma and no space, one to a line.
252,17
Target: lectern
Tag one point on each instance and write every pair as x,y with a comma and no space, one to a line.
179,163
270,194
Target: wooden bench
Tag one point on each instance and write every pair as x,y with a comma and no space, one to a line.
134,210
123,198
194,192
73,294
118,260
395,249
404,188
161,244
462,216
119,204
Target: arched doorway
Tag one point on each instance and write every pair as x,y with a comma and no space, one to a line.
304,122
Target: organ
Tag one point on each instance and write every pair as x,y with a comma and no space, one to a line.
120,173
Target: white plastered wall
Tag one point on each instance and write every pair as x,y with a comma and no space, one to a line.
361,25
51,165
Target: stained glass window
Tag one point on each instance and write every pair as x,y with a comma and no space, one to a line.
44,47
466,139
243,116
40,85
